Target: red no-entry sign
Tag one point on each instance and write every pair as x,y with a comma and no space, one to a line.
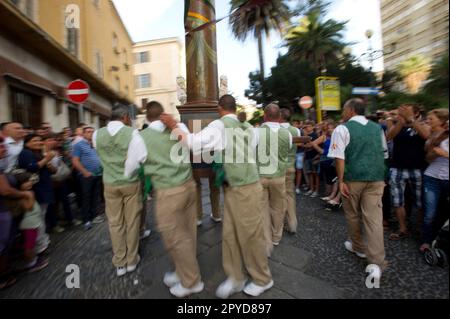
305,102
78,91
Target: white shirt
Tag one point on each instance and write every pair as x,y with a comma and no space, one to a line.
212,137
14,148
137,152
135,159
274,126
341,138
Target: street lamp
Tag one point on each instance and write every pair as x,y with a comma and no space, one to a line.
373,55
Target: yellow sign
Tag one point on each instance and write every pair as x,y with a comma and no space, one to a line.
328,94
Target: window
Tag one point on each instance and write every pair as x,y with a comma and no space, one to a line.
74,119
73,41
144,103
143,81
102,120
99,64
29,9
117,84
115,44
26,108
125,59
26,6
143,57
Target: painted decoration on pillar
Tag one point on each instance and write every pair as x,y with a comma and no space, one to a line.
201,51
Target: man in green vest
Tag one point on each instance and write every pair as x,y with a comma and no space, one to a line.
274,145
359,147
169,168
123,196
290,204
243,248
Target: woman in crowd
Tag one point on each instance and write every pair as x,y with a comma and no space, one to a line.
327,167
34,158
436,175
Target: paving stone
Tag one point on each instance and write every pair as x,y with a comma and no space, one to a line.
310,264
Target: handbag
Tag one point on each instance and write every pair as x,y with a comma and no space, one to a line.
63,172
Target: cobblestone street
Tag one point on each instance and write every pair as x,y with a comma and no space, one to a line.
311,264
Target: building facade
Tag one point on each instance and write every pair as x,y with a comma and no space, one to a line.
35,68
415,27
157,65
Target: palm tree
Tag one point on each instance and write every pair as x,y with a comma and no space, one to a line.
414,70
316,41
438,84
258,17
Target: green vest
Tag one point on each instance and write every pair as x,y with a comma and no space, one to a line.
292,156
238,158
113,151
273,157
168,163
364,155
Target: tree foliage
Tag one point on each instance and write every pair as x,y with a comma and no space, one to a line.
414,71
438,84
257,18
315,40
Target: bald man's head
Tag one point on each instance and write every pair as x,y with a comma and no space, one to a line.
272,113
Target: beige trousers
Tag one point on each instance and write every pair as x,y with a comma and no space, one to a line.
243,246
291,202
273,205
214,196
175,210
123,209
365,204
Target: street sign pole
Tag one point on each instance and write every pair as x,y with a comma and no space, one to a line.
319,100
81,113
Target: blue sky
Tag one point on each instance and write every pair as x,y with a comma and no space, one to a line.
153,19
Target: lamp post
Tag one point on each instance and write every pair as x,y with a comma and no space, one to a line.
369,34
373,55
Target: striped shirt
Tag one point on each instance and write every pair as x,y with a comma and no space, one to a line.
88,157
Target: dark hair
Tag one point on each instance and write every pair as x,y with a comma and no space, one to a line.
49,136
3,125
87,128
357,105
154,110
29,137
228,103
286,114
79,125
